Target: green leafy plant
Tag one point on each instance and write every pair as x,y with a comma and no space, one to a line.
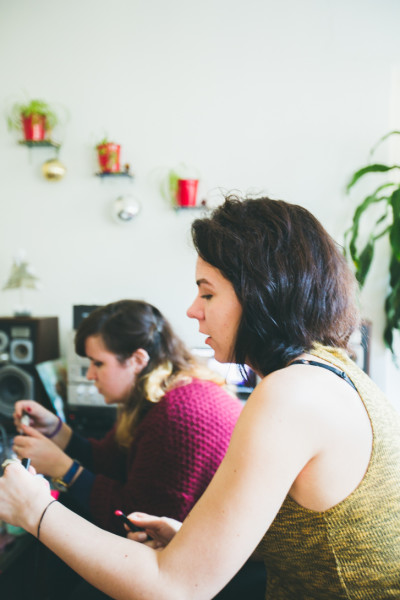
32,107
382,207
105,140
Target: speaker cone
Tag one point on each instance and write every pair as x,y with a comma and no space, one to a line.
15,384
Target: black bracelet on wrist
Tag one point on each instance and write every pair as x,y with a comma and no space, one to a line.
41,517
57,429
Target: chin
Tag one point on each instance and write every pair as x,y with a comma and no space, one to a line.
221,358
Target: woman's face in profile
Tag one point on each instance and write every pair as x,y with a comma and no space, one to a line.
113,379
217,310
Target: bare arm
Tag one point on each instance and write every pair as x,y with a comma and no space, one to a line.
271,444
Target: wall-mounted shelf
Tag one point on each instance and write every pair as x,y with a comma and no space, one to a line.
190,208
118,174
39,144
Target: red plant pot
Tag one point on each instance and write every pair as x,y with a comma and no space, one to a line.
108,155
34,127
186,193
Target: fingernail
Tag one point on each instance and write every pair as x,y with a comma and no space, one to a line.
28,408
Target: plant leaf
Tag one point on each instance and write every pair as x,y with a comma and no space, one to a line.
364,262
382,139
376,168
392,303
394,235
354,229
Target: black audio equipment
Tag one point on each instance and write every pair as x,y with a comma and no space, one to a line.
24,343
15,384
81,311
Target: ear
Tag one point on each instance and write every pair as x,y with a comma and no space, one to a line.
140,359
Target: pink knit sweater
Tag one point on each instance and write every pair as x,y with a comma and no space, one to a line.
176,451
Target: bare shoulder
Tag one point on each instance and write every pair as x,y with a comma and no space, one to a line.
284,389
286,405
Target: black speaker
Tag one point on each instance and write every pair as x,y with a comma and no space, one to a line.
25,342
15,384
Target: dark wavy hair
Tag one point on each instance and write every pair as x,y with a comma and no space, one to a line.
289,275
124,327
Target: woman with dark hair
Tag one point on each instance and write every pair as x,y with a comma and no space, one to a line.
311,478
292,282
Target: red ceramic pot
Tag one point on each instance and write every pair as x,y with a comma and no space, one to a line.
186,193
108,155
34,127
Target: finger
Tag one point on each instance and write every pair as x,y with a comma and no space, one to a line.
32,432
10,464
154,544
24,448
138,536
22,441
19,449
142,519
18,409
22,406
142,538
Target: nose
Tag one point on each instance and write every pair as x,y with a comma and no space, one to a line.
90,373
195,310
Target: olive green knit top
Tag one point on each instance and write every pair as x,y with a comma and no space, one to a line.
352,550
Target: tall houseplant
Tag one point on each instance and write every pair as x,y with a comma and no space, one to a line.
382,206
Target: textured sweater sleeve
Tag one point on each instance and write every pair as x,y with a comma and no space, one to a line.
178,447
98,457
80,448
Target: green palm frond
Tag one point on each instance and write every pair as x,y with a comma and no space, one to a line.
384,204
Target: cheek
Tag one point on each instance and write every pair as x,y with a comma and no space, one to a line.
231,324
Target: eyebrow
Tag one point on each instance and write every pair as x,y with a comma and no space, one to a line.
204,281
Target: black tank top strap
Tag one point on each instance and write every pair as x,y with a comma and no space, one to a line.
314,363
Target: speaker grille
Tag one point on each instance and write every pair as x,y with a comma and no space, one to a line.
15,384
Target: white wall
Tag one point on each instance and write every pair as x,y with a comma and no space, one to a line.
282,97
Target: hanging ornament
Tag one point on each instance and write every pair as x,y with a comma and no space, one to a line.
53,169
126,208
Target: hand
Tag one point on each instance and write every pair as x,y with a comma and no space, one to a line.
46,457
23,497
161,530
41,419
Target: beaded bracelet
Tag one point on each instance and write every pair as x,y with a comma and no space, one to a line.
41,517
57,429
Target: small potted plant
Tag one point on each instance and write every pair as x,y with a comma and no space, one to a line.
108,156
35,119
382,206
182,184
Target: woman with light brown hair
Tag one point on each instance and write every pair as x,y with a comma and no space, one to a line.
174,422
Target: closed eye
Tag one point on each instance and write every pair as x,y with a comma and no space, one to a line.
207,296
